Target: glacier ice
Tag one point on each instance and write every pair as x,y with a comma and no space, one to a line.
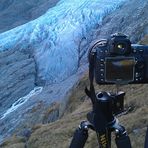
55,37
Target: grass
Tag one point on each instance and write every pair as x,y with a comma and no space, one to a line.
59,133
14,142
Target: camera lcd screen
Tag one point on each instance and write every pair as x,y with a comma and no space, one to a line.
119,69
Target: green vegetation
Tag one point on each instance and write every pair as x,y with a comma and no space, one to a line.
58,134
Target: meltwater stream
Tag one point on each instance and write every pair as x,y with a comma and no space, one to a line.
21,101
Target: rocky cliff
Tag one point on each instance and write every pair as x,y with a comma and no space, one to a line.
131,19
17,70
14,13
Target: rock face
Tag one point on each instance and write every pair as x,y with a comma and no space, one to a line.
131,19
17,77
14,13
44,107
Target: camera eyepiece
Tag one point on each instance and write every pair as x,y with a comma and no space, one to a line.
119,44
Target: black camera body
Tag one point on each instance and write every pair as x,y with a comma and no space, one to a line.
117,61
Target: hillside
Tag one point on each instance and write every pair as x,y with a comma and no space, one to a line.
58,134
14,13
43,61
47,53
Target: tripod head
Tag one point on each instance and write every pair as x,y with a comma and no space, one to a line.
103,118
111,104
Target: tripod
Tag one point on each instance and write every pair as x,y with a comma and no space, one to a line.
103,121
105,106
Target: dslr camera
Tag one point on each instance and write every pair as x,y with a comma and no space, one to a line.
117,61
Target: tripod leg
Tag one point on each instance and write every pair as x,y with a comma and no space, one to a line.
123,142
122,139
80,135
79,139
109,138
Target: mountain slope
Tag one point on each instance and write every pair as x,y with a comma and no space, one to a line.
41,52
59,133
131,20
14,13
44,107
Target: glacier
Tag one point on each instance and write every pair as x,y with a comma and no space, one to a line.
58,39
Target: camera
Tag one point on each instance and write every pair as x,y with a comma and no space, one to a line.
117,61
